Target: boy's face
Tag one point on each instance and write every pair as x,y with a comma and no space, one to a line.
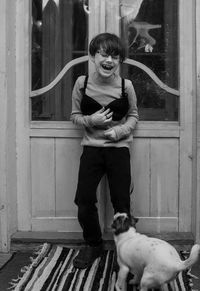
105,65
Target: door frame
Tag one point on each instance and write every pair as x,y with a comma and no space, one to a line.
197,157
8,195
3,122
23,65
185,129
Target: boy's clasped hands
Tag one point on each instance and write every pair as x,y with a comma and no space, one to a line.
103,117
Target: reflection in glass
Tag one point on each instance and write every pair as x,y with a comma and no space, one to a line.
150,30
59,35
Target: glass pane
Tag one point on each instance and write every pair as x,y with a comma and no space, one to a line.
150,30
59,35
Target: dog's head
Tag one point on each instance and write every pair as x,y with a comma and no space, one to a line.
122,222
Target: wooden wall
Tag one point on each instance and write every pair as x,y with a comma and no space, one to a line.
8,197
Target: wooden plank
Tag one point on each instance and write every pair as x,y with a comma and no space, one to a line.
197,196
70,132
164,177
3,128
3,166
43,177
59,224
140,153
94,23
67,129
142,125
3,189
187,41
11,170
94,20
22,113
102,15
112,16
68,152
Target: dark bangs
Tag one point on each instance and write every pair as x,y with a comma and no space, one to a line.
110,43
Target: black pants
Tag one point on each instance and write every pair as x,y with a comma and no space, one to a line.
94,163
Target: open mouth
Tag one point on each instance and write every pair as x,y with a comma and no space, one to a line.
107,67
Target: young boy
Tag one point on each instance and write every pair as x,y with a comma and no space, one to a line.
104,104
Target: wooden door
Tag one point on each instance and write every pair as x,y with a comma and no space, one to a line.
49,144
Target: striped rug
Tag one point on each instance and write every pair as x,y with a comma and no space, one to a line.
52,270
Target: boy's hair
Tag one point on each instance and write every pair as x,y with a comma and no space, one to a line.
110,43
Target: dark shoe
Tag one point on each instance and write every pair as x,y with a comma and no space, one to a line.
87,256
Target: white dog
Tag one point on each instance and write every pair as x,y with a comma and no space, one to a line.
152,261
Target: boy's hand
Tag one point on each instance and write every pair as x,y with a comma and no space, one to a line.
102,117
111,134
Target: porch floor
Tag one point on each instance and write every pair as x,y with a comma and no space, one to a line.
181,238
24,243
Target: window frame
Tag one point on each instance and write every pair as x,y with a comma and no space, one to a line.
102,19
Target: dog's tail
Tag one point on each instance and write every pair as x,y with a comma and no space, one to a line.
193,258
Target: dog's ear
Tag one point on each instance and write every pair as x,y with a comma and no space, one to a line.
134,220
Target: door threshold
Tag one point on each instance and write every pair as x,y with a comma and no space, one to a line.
28,240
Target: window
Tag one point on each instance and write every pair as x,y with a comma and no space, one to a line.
59,35
150,29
